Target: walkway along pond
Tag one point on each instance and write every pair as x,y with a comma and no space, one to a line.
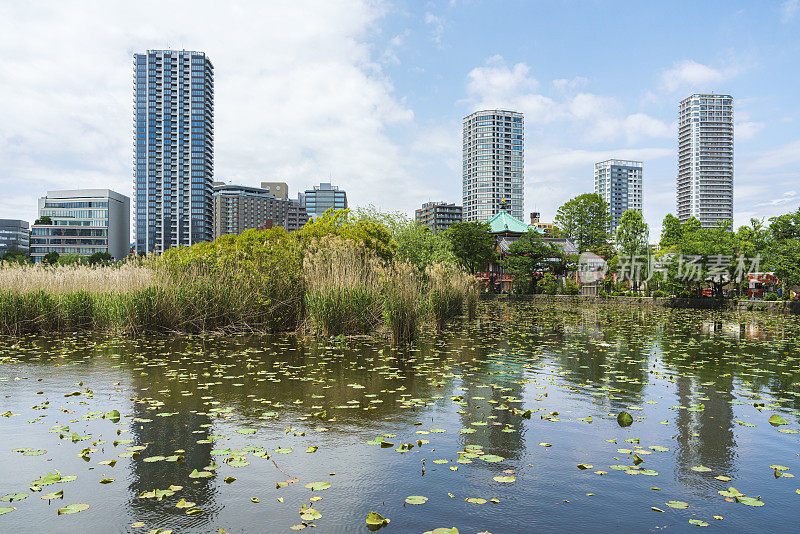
531,419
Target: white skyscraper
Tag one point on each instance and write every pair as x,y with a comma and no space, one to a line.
705,159
619,182
493,164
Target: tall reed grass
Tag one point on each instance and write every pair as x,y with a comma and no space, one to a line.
262,281
342,287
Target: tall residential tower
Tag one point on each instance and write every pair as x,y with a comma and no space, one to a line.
173,149
705,159
493,167
619,182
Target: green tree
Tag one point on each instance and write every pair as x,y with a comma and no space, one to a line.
43,220
529,257
584,220
374,235
631,239
472,244
16,256
51,258
416,243
71,259
783,248
101,258
671,231
632,234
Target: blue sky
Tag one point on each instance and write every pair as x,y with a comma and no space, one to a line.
370,95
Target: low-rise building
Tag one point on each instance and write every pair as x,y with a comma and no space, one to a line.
546,228
239,207
82,221
14,236
438,216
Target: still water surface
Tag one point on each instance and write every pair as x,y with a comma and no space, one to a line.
701,387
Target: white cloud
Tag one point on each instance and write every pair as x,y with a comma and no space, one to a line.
298,95
747,130
437,26
789,197
597,117
787,154
689,73
789,10
564,84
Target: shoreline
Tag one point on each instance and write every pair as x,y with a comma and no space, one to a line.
779,307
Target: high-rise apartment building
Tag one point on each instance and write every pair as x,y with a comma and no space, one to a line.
238,208
705,159
173,149
14,236
323,197
82,221
493,164
619,182
438,216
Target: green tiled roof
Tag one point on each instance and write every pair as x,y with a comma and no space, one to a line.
504,222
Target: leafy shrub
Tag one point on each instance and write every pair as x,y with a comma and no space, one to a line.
659,294
771,297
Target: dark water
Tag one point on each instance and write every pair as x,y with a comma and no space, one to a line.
694,382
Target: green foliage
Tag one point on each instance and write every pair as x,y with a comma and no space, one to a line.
671,231
51,258
632,235
370,233
43,220
72,259
570,287
472,243
530,257
99,258
15,256
771,297
415,243
549,284
585,221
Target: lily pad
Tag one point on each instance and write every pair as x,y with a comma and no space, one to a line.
416,499
73,508
624,419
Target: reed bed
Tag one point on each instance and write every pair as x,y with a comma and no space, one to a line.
342,288
260,281
60,279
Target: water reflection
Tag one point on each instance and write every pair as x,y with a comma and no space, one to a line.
695,381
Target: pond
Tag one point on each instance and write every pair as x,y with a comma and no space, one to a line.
510,424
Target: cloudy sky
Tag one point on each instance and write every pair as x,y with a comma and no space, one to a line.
370,94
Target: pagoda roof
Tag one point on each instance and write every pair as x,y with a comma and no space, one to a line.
505,222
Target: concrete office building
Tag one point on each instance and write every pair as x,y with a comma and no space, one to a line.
323,197
173,149
493,164
14,236
438,216
705,159
82,221
238,208
619,183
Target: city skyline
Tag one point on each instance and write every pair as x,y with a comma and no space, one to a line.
392,138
